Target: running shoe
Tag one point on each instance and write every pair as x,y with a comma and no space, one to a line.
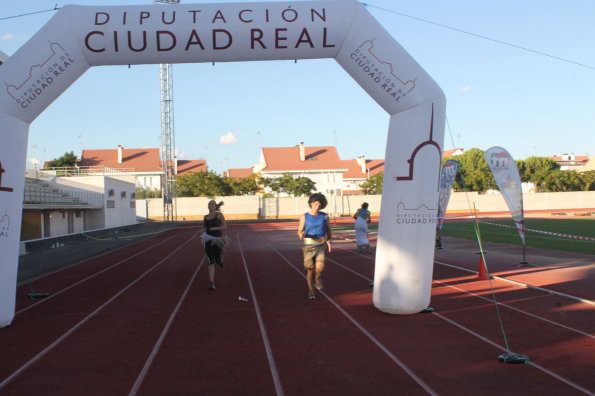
211,286
311,295
319,284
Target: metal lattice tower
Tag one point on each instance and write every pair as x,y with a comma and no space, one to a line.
168,141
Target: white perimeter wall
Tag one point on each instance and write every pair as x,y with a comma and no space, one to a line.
252,207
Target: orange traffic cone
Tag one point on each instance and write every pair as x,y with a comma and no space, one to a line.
482,273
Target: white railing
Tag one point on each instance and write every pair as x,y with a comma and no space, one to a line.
46,196
84,171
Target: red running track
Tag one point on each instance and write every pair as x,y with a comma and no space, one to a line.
140,321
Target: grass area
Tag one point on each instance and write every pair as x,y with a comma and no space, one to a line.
504,231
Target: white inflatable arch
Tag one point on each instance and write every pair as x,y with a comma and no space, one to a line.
78,37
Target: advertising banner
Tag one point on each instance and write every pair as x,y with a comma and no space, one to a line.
42,69
447,180
78,37
382,66
12,181
212,32
508,179
407,226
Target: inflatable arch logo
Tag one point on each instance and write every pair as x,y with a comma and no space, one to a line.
79,37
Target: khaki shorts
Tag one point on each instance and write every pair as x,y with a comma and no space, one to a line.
313,254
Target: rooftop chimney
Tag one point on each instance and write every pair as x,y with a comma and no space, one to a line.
302,152
120,153
361,161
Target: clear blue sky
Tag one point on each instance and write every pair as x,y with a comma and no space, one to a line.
497,94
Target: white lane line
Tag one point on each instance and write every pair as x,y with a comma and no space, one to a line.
491,300
543,369
28,281
519,310
527,285
539,367
157,346
263,332
399,363
543,289
54,344
348,269
54,294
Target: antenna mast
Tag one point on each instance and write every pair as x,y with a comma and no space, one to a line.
168,141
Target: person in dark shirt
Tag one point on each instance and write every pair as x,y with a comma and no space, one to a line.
213,239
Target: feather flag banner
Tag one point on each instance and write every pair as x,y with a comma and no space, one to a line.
447,180
508,179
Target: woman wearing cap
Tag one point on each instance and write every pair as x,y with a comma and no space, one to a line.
314,228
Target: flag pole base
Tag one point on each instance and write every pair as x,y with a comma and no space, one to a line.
513,358
526,264
427,310
37,296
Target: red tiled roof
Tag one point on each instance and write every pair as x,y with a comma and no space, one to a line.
238,173
191,166
288,158
373,166
455,151
570,158
135,160
352,192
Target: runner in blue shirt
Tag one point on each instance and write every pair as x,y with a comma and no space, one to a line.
314,228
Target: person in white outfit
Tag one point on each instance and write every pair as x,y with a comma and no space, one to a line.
362,218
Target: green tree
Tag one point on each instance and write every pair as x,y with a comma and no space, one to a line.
243,186
475,174
67,160
535,169
588,179
521,165
561,181
302,186
213,185
373,186
287,184
281,184
202,184
142,193
187,185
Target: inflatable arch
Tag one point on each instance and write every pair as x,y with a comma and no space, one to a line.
79,37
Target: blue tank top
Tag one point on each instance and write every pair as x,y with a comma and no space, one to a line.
315,226
363,213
